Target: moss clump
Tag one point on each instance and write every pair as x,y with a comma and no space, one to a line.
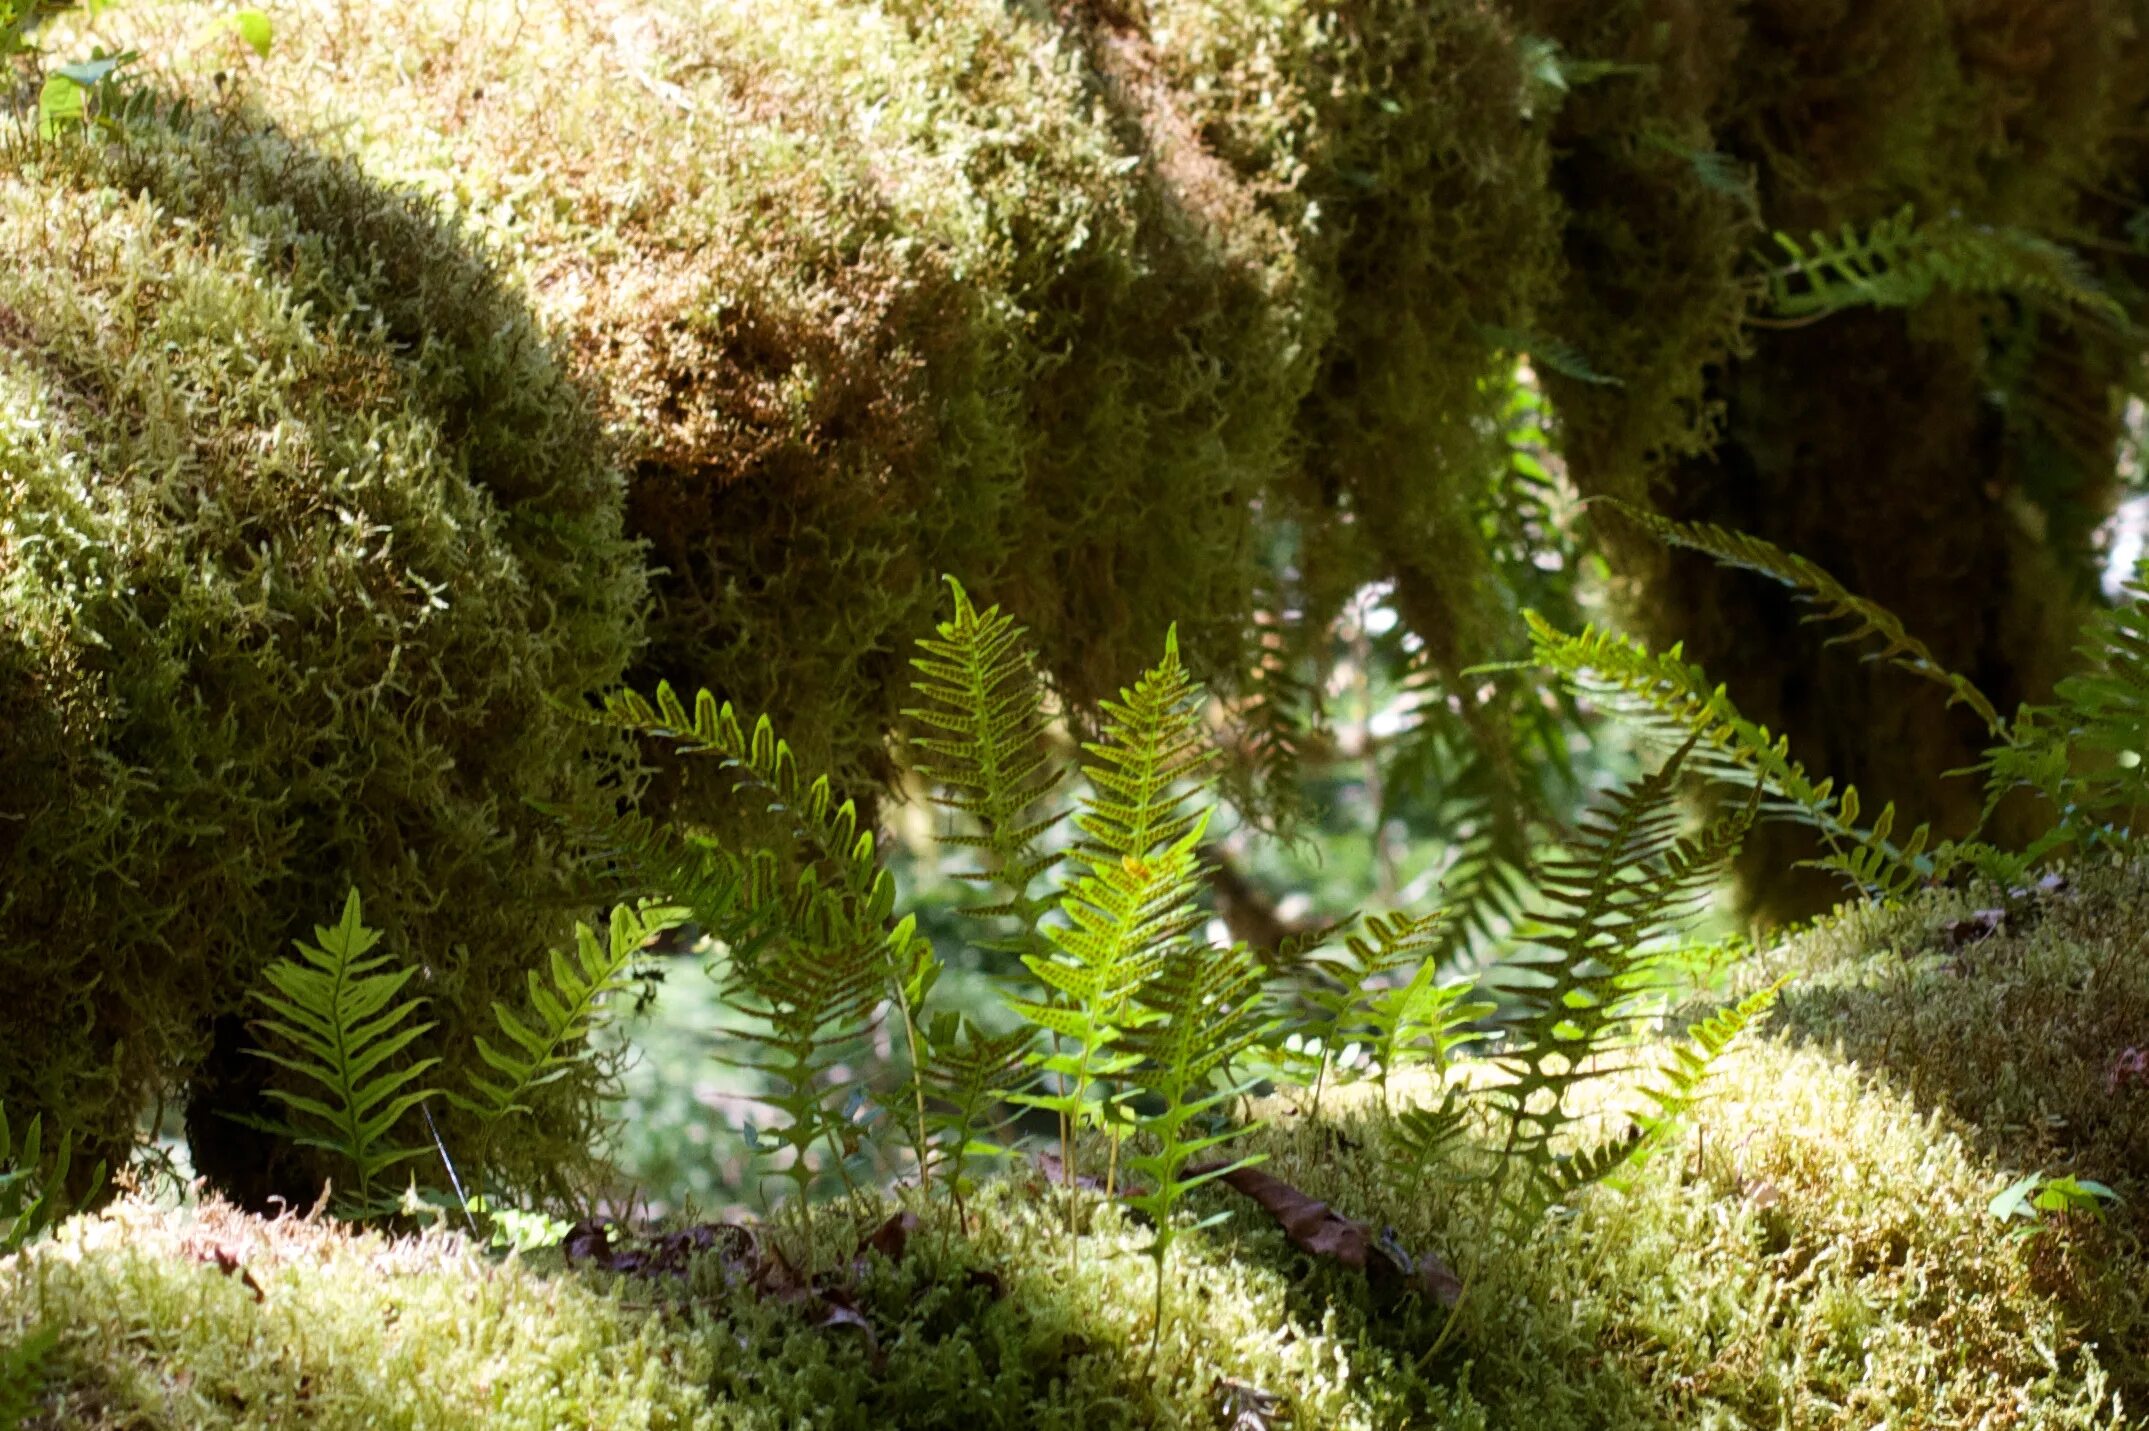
1817,1254
304,539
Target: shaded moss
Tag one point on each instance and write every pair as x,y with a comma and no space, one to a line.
304,538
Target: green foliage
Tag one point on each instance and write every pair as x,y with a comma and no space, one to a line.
1585,979
811,944
2085,754
24,1366
336,1010
989,761
1869,621
1205,1011
1671,698
550,1038
1383,993
33,1193
963,1075
310,544
1900,263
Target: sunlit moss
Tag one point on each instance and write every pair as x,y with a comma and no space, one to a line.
1817,1251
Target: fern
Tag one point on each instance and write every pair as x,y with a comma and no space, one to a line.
33,1197
989,762
1668,697
1204,1010
337,1010
1585,977
1549,353
550,1038
1679,1081
1382,993
812,946
1869,620
963,1074
1135,903
1900,263
2087,754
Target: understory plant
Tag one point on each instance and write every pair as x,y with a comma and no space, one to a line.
1136,1030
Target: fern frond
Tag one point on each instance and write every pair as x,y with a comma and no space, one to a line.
1136,903
2087,754
1584,979
1549,353
1427,1138
1205,1011
1670,698
1900,263
338,1012
1870,622
963,1075
33,1197
988,760
549,1038
1679,1081
1381,992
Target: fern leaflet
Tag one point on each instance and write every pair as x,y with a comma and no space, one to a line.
33,1199
338,1011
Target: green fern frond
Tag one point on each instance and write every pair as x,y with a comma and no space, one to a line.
1672,699
1428,1138
988,760
1549,353
1204,1010
1381,992
1900,263
1136,903
2087,754
1870,622
1585,979
549,1038
963,1075
1679,1082
337,1010
33,1198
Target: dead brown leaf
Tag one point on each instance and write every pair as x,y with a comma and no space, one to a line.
1316,1228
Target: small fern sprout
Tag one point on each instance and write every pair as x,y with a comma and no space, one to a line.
962,1075
33,1198
1205,1009
338,1013
550,1038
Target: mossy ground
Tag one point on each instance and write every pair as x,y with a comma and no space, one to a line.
1816,1252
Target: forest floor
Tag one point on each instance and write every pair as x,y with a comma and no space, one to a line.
1821,1250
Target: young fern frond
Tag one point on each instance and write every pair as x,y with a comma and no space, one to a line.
1900,263
1367,998
1427,1138
988,760
1670,698
33,1197
1585,979
962,1075
338,1011
1869,621
1204,1010
1136,902
2087,754
549,1038
1679,1082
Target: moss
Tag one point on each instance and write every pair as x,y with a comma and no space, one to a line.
304,539
1816,1253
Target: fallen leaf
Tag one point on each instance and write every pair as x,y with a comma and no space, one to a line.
892,1238
1316,1228
227,1262
1247,1408
2130,1066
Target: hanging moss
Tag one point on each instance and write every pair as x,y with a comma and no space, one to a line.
304,542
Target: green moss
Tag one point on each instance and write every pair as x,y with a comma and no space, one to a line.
303,539
1816,1253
